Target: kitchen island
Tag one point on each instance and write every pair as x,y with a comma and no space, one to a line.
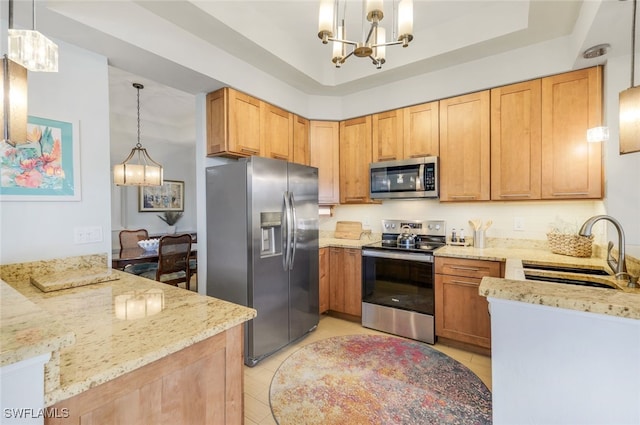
128,347
560,353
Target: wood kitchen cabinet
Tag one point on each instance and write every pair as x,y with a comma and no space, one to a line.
323,284
516,141
355,156
233,124
465,148
387,136
276,132
421,130
462,315
301,148
571,103
324,146
345,281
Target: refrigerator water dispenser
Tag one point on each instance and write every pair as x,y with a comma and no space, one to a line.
271,234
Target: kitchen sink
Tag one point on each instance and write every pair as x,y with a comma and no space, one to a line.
568,275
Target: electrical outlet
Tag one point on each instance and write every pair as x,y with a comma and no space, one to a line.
90,234
518,224
366,222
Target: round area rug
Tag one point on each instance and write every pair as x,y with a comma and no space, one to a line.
376,379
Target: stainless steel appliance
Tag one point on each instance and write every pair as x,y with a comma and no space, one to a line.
398,278
409,178
262,248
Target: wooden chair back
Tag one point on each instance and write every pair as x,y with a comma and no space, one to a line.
129,238
173,259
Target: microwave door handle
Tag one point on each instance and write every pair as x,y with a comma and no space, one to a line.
293,230
419,185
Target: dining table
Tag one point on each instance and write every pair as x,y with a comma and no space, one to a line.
120,258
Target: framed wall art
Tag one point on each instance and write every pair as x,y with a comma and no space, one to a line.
45,167
168,197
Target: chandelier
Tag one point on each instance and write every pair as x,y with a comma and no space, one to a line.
138,169
30,48
374,42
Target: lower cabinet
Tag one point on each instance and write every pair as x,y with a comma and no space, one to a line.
462,315
345,281
324,279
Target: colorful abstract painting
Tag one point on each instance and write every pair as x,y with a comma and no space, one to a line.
44,167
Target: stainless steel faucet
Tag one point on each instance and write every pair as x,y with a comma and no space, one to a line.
619,266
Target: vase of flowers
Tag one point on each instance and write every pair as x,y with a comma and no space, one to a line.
171,218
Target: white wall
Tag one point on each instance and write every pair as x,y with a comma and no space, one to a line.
78,93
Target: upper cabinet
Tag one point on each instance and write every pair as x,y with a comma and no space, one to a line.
421,130
355,157
301,147
276,130
324,144
465,147
515,141
571,103
233,124
387,136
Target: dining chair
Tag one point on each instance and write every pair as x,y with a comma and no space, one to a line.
129,240
173,260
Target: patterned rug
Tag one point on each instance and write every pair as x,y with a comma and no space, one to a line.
376,379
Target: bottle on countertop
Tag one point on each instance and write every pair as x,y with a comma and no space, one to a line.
461,237
454,238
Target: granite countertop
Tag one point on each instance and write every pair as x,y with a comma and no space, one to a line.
110,339
327,239
620,302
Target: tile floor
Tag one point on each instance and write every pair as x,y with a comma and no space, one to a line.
258,378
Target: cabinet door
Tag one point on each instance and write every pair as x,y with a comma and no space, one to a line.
515,141
421,130
301,151
387,136
324,146
244,124
217,122
465,148
324,263
352,270
277,132
355,157
571,103
336,280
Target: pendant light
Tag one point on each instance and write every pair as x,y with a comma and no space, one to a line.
630,103
30,48
13,108
138,169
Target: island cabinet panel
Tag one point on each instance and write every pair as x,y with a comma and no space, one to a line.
571,104
465,148
355,157
201,384
324,144
462,315
233,124
301,148
276,132
516,141
387,135
421,130
324,277
345,281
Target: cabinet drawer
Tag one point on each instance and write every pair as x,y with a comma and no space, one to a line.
468,268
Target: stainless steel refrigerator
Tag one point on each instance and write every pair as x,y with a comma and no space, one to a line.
262,248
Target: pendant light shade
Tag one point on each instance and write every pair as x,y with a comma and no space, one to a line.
138,169
630,104
14,102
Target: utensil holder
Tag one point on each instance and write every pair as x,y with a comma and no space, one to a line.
478,239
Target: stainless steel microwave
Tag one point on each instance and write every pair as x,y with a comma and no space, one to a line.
409,178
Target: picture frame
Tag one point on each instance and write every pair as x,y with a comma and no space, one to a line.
168,197
45,167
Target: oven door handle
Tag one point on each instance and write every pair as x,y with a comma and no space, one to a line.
422,258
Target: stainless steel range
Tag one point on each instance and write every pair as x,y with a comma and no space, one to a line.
398,278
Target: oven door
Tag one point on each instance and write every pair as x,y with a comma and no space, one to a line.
398,280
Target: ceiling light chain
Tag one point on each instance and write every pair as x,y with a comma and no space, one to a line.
374,43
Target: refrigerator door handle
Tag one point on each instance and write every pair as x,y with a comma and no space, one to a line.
294,230
286,213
